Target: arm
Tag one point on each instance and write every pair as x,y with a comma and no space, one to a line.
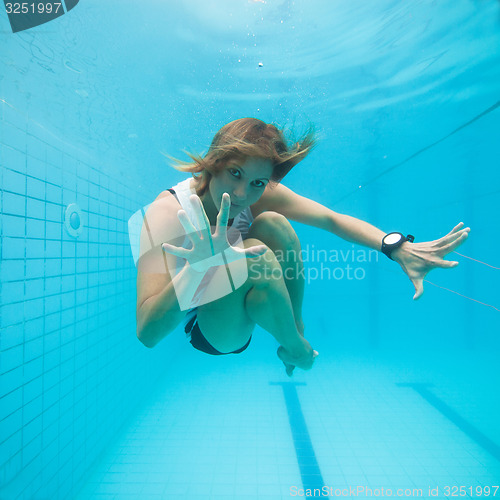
158,311
158,296
162,301
301,209
416,259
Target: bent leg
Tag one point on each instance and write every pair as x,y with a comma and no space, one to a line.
268,304
224,322
275,231
227,323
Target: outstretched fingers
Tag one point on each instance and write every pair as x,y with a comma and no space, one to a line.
447,264
189,229
223,216
177,251
236,253
456,228
452,237
199,211
449,246
418,283
255,251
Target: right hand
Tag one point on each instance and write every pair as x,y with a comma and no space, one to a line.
418,259
207,247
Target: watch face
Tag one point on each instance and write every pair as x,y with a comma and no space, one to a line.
392,238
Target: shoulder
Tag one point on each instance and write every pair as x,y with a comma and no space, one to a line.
164,202
166,199
167,203
166,195
160,217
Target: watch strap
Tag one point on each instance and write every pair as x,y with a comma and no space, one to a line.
387,249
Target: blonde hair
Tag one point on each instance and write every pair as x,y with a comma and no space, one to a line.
244,138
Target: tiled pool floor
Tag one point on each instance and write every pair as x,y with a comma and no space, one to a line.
222,428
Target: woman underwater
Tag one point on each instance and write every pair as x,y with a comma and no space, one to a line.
218,252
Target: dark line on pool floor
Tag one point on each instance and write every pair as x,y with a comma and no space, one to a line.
467,428
306,458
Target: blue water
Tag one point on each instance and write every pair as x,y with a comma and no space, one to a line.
404,395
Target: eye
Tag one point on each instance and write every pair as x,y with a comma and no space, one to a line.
235,172
259,184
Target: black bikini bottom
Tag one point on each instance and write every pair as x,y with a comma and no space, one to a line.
198,341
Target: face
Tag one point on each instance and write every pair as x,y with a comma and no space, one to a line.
244,180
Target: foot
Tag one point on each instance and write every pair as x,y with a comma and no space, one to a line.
300,328
305,362
289,369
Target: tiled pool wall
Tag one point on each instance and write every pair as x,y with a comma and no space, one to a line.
71,366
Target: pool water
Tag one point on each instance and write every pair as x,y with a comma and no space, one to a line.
405,99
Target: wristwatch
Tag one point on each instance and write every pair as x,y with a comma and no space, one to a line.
392,241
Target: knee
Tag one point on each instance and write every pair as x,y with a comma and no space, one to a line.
262,268
266,258
274,230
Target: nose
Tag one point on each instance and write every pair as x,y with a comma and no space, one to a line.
239,194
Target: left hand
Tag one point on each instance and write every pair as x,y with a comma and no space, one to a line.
417,259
